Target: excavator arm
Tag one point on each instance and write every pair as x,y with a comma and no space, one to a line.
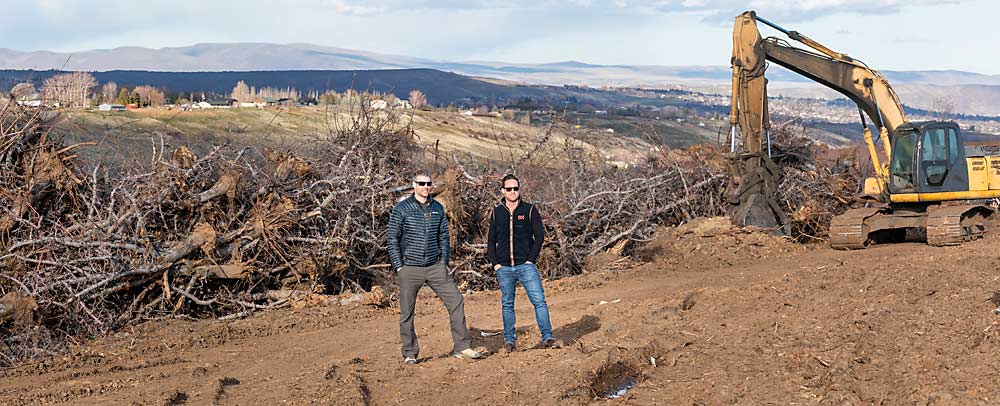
867,87
754,175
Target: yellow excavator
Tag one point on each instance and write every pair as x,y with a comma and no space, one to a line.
929,177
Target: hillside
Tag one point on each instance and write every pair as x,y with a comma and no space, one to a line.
133,134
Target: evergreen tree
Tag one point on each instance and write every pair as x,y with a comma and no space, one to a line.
123,97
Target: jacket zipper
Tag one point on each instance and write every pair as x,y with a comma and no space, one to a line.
426,230
510,225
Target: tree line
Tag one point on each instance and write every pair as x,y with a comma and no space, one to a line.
81,89
77,89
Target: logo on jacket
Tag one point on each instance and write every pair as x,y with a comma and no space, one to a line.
520,217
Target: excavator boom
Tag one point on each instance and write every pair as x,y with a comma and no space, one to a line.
867,87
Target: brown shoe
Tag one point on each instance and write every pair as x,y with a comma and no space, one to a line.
509,347
550,343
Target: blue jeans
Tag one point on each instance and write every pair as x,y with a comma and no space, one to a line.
527,274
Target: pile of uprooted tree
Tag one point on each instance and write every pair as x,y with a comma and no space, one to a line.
87,248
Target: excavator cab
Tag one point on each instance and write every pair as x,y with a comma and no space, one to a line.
928,157
934,162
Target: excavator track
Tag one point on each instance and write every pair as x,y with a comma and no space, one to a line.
945,225
848,230
953,225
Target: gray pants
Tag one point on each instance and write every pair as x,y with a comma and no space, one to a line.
411,278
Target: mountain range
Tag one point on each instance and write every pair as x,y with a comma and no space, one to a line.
963,92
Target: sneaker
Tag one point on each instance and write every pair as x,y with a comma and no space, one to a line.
469,353
509,347
550,343
410,361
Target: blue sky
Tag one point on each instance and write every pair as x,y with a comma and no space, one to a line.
887,34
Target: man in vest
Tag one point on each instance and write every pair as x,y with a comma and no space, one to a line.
513,242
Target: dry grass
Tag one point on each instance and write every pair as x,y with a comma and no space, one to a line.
468,138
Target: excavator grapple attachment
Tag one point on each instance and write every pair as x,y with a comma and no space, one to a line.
751,192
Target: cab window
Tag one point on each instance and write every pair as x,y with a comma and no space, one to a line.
934,155
952,147
901,166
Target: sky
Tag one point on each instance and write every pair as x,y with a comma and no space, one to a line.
886,34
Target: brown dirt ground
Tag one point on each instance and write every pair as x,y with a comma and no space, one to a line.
715,316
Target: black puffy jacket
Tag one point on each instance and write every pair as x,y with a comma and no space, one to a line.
418,235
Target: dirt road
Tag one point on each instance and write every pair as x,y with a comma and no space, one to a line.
713,318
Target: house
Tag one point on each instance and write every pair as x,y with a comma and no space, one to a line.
379,104
31,100
221,103
201,105
111,107
483,111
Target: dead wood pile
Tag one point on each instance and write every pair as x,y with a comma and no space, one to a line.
817,182
88,248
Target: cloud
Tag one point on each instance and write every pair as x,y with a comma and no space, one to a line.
714,11
910,40
605,31
345,7
796,10
784,10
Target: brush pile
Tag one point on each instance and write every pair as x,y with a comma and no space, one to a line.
86,249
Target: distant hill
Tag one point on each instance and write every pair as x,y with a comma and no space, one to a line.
970,93
219,57
209,58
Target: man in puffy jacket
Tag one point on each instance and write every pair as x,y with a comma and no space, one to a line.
419,250
513,242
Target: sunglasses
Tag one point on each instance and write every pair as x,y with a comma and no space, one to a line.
511,189
419,183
